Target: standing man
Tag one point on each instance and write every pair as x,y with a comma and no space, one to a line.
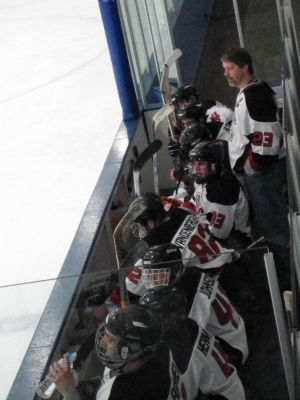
257,156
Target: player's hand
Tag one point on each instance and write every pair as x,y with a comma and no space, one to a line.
63,377
248,168
173,147
170,203
175,175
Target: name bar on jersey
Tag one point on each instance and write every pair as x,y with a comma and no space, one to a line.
206,285
184,233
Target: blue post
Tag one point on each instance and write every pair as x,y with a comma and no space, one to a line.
119,59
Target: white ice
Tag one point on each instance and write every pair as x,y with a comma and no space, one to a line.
59,113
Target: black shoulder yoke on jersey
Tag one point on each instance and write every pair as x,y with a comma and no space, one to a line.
260,102
165,232
189,283
181,342
148,383
223,189
214,128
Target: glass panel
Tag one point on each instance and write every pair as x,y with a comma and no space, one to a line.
99,293
149,43
21,307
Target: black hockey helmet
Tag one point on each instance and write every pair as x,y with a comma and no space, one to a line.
162,265
192,135
147,206
169,302
210,151
194,111
184,92
136,331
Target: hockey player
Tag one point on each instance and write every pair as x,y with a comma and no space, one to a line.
128,343
193,113
218,196
190,109
157,226
214,115
257,155
199,361
207,303
190,136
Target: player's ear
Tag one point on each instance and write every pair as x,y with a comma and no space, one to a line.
150,225
245,68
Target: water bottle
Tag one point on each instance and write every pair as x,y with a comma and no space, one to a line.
46,388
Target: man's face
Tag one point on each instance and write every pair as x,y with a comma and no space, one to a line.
147,228
185,102
159,277
187,122
110,343
236,76
200,168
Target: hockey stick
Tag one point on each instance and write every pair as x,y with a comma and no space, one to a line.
161,114
122,229
141,161
287,296
165,85
119,236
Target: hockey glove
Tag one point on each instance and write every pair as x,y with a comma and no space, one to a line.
173,147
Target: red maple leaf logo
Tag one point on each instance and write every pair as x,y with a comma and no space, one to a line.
215,117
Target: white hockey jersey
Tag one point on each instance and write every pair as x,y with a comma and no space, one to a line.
198,248
199,364
191,361
207,303
210,307
256,134
222,114
223,204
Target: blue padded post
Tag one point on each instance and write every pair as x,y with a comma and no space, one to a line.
119,59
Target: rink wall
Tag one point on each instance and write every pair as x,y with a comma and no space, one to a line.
92,246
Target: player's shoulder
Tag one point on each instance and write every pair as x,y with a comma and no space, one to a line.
224,189
182,343
259,98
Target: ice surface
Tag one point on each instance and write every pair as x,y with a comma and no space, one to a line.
59,113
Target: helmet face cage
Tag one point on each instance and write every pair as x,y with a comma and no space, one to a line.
211,169
156,277
162,266
113,359
139,230
128,334
148,206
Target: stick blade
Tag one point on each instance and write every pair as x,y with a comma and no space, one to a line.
163,112
172,58
147,154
